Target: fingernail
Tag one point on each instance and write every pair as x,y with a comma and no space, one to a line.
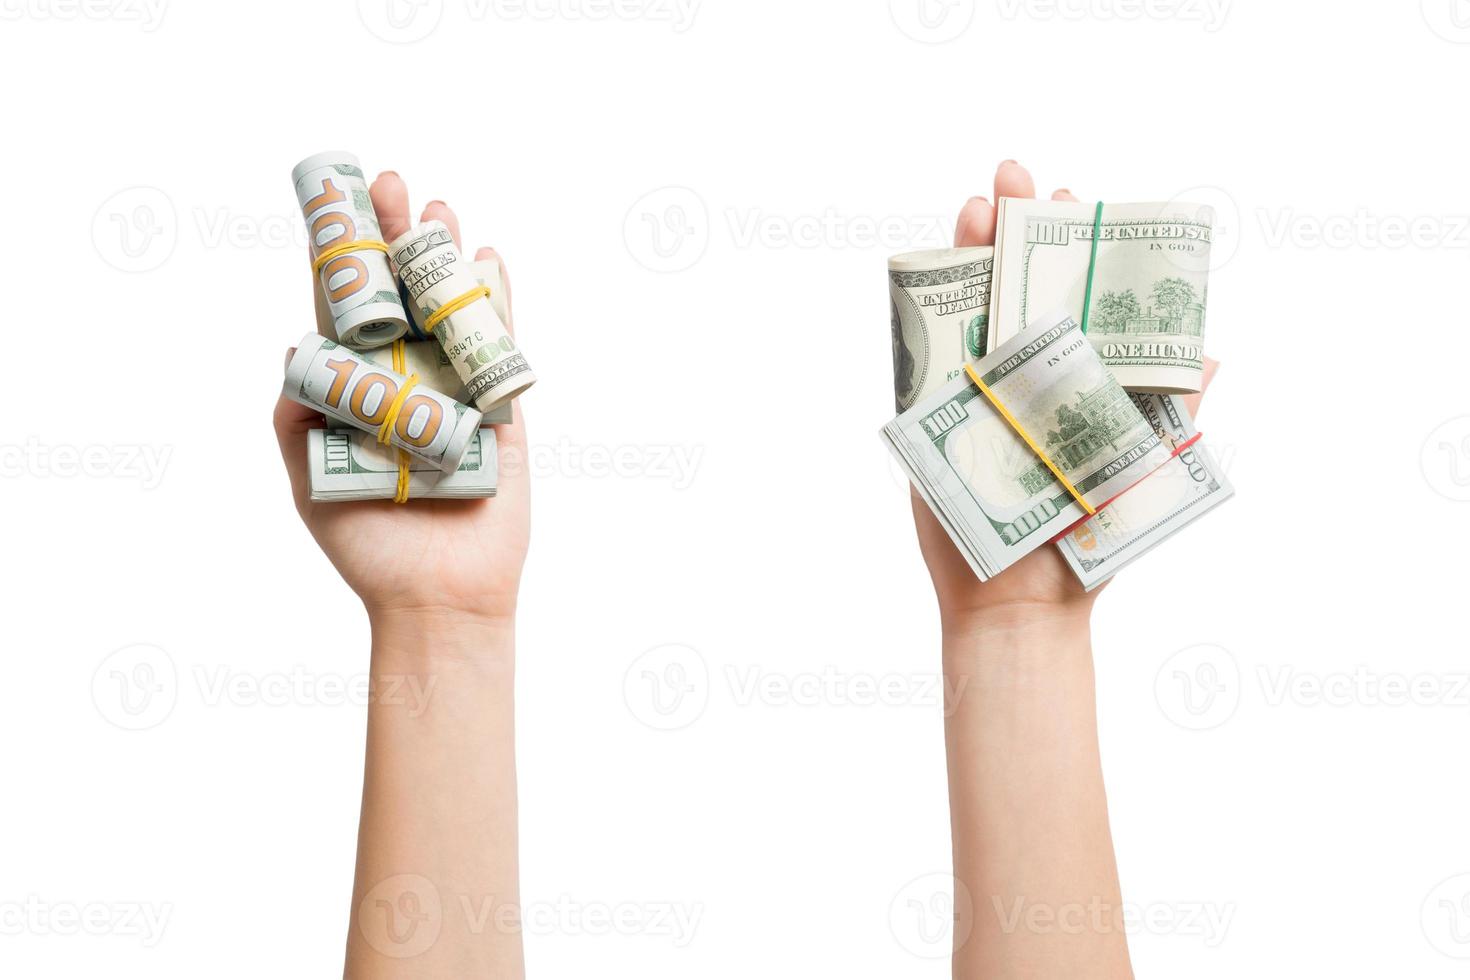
389,173
434,202
1064,190
981,198
1011,162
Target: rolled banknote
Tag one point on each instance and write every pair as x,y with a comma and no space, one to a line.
357,283
344,385
940,303
428,360
1149,285
1172,497
999,496
347,465
487,272
474,337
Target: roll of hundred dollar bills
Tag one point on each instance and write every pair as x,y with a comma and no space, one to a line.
344,385
435,275
358,284
941,302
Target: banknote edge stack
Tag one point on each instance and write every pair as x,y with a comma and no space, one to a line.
1100,545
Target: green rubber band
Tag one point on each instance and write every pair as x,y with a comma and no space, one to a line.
1091,266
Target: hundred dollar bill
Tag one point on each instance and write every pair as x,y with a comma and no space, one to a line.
1149,290
1168,500
428,360
994,495
487,271
940,302
359,288
347,465
434,274
343,385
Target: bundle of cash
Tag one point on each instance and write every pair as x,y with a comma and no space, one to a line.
348,465
474,337
361,294
373,315
1170,499
940,301
1003,463
1148,281
344,385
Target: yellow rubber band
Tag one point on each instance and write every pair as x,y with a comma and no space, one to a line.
338,250
400,364
454,306
401,497
1005,414
385,431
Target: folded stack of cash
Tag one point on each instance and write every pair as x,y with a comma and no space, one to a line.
1016,428
412,361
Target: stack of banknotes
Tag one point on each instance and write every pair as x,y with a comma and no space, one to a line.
1076,438
412,363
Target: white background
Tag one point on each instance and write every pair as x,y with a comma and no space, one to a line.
1279,804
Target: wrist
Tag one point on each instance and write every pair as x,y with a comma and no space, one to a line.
419,634
1045,635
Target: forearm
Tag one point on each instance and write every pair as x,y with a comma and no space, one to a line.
1028,810
437,892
